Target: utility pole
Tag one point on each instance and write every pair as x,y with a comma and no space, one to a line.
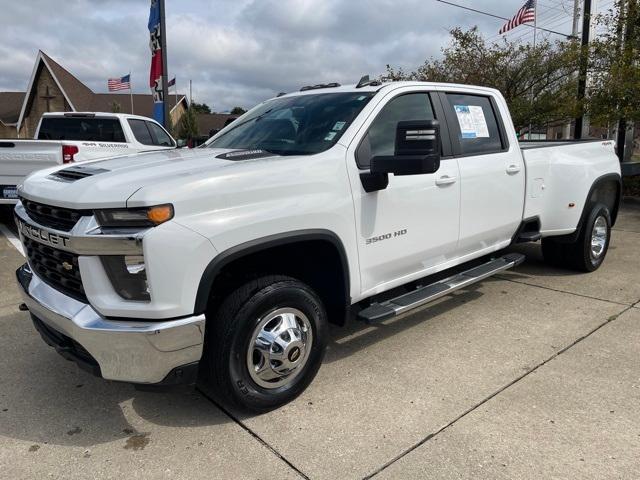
584,65
576,18
165,69
627,15
574,34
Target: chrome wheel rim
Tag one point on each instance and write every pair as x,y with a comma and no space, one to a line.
598,237
279,347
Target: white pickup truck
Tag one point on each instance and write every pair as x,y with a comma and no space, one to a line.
76,137
226,263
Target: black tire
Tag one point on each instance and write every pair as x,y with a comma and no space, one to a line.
230,331
578,255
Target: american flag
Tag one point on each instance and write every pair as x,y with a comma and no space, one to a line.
526,14
122,83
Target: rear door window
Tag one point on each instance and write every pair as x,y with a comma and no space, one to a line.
473,119
81,129
141,132
160,137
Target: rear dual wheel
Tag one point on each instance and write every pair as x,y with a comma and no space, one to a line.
590,248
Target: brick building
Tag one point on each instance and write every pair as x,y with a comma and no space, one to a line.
52,88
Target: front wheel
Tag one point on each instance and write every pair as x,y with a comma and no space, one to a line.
265,343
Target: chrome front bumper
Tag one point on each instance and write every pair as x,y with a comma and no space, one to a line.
130,351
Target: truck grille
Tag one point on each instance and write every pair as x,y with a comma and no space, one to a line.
57,268
57,218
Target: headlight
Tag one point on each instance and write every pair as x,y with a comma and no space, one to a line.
135,217
128,276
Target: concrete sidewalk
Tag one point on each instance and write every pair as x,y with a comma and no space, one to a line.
531,375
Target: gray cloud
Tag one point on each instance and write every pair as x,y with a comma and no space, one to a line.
237,52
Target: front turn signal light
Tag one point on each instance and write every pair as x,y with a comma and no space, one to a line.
160,214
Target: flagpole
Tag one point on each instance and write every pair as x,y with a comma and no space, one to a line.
165,67
131,92
535,30
175,85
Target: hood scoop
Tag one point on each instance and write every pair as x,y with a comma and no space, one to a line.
245,155
77,172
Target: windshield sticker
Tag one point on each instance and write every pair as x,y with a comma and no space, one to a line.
362,97
339,126
472,121
330,136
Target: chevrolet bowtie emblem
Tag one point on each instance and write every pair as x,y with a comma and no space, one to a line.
67,266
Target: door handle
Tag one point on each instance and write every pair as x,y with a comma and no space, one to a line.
445,180
513,169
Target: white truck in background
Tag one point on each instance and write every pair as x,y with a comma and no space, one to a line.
76,137
226,263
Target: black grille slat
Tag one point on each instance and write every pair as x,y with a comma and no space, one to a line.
58,218
47,262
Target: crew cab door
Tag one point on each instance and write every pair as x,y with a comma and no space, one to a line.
492,171
410,226
147,135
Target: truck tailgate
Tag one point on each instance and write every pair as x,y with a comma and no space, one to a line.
18,158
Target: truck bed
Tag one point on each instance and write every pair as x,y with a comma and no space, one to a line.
529,144
559,174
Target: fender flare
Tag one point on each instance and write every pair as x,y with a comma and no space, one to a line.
224,258
572,237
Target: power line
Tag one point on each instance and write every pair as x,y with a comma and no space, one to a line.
546,18
501,18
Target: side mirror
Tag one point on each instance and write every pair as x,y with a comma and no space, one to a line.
417,150
181,143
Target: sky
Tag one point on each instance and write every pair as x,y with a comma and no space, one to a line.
241,52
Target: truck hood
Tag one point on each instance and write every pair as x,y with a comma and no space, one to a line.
111,182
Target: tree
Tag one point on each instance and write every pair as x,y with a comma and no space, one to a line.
115,107
200,107
517,70
613,91
188,125
237,111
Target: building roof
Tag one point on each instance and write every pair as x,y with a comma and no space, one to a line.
78,94
10,104
213,121
80,97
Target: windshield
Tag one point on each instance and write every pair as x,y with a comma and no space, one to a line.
298,125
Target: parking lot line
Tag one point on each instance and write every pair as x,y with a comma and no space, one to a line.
12,238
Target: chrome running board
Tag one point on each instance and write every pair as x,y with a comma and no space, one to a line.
378,312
